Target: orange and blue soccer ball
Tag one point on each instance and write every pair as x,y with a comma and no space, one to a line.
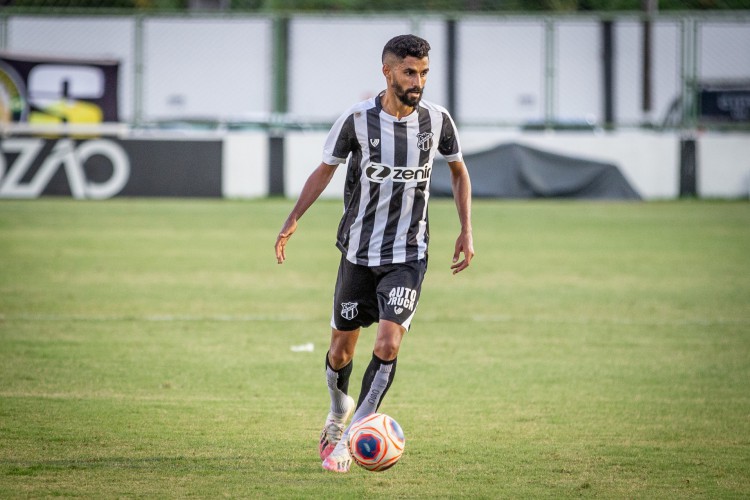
376,442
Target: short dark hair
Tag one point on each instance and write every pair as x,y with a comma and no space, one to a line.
407,45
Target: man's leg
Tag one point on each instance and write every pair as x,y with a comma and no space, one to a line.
375,383
338,370
398,288
342,347
382,369
398,291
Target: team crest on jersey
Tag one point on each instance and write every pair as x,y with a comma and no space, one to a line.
349,310
374,142
424,141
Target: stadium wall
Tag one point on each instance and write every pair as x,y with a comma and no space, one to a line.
543,68
649,160
238,164
723,166
197,70
245,170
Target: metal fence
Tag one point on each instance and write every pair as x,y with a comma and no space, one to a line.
230,69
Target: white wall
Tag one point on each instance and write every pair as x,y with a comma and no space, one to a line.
335,63
723,165
649,161
191,66
245,165
500,70
80,37
665,70
209,68
223,66
303,151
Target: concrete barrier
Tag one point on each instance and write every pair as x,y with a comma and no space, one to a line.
237,164
649,160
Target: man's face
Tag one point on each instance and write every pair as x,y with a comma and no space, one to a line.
407,78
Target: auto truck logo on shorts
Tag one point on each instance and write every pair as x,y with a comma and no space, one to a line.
401,298
379,173
349,310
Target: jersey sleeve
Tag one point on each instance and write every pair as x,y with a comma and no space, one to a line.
341,140
449,145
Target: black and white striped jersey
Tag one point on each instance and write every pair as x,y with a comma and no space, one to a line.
388,178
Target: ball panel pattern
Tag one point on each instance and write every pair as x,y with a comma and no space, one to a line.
376,442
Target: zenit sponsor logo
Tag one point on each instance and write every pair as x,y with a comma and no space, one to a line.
379,173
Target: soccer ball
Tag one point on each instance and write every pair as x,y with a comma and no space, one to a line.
376,442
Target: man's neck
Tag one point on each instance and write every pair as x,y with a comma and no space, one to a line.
393,105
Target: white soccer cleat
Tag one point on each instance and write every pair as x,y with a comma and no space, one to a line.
334,429
340,459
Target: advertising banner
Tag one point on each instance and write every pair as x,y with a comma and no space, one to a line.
36,89
100,168
727,106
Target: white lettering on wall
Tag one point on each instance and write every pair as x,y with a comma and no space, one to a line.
64,154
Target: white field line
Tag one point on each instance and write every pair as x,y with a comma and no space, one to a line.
104,395
485,318
481,318
153,317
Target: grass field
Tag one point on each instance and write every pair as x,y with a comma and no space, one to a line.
592,349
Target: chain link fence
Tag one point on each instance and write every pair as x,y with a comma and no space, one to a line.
521,70
338,6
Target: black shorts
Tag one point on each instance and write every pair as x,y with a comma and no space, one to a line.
365,294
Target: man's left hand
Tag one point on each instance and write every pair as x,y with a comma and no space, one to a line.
465,246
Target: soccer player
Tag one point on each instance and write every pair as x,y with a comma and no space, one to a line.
391,141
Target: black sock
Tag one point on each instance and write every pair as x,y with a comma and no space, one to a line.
375,384
338,385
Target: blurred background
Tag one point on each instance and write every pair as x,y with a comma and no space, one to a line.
240,93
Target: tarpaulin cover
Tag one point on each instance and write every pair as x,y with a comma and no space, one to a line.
517,171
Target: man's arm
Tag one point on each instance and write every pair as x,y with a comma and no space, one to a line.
315,184
461,186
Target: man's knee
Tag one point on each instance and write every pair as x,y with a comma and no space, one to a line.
389,339
342,347
338,358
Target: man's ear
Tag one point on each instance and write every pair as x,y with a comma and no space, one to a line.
386,70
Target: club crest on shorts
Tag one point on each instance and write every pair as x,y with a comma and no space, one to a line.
424,141
349,310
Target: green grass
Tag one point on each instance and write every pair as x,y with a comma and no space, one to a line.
592,349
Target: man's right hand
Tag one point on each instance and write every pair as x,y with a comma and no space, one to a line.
290,226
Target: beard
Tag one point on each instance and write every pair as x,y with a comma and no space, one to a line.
404,97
